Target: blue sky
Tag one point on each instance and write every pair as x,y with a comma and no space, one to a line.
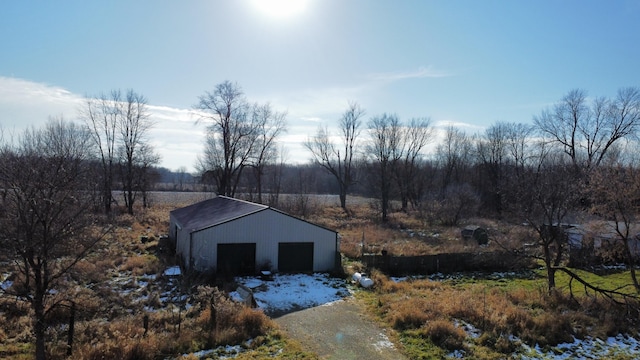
470,63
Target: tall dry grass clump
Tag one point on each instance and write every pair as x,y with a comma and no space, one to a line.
412,313
444,334
142,264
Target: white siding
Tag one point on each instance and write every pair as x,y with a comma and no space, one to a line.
266,228
181,238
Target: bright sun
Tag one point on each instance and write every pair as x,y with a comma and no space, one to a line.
280,8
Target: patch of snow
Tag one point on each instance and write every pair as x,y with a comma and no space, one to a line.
295,291
253,283
222,352
471,330
332,303
235,296
383,343
583,349
4,285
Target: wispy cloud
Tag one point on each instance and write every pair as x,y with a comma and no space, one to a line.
23,103
421,72
443,124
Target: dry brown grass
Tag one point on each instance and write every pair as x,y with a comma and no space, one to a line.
444,334
535,316
168,332
142,264
405,234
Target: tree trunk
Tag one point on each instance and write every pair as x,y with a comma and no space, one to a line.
632,265
343,198
39,327
72,322
551,271
259,183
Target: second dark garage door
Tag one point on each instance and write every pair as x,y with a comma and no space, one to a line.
295,257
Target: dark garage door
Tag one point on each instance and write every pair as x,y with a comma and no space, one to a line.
295,257
237,259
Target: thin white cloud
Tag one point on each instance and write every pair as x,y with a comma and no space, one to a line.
313,119
443,124
421,72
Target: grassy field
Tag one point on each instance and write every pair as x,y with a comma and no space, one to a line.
123,286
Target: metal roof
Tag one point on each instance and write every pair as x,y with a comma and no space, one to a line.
213,212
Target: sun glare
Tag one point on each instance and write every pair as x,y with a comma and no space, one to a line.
280,9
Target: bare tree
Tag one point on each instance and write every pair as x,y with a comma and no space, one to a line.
585,130
145,174
339,159
491,149
454,155
231,135
385,135
119,126
271,124
275,177
415,137
518,139
179,180
101,117
133,125
46,217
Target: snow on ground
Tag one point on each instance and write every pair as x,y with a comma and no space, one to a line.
588,348
4,283
290,292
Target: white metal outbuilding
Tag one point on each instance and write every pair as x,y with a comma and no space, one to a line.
228,235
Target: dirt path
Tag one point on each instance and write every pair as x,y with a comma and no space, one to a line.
339,330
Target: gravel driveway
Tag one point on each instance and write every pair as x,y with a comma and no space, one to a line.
339,330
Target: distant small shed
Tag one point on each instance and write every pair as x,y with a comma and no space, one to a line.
477,233
232,236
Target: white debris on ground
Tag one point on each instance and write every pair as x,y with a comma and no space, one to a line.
362,280
173,271
288,292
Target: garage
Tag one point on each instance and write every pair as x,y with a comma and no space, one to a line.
237,258
231,236
295,257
